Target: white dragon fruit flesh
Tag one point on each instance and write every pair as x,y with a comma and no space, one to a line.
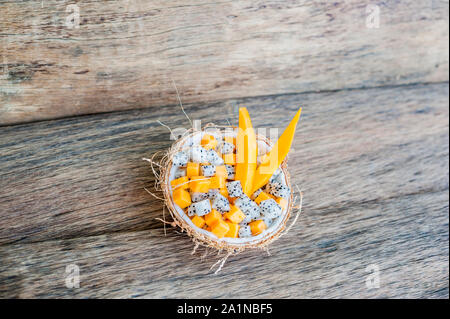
197,197
270,209
220,203
254,210
200,208
214,158
278,190
226,148
180,159
199,154
208,170
230,171
275,175
179,172
243,203
234,189
213,192
245,231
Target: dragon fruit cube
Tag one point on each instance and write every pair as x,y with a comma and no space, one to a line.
243,203
199,154
213,192
269,208
235,189
226,148
278,190
179,172
254,210
200,208
220,203
197,197
245,231
208,170
230,171
180,159
214,158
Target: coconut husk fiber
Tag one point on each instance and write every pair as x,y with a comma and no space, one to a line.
162,190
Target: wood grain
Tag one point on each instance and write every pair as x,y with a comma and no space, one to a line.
327,257
84,176
373,165
125,53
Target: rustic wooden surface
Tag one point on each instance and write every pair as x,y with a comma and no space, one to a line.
125,53
373,165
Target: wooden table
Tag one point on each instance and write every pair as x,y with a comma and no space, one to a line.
371,152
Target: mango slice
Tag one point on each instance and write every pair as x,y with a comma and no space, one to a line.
235,215
246,152
198,221
220,228
272,160
234,230
182,198
257,227
192,169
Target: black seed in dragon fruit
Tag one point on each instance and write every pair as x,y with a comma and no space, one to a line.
199,154
245,231
208,170
234,189
278,190
214,158
226,148
197,197
200,208
221,204
270,209
230,171
180,159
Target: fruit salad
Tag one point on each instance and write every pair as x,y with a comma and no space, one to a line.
225,188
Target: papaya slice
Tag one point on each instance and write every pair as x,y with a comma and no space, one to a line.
272,160
246,151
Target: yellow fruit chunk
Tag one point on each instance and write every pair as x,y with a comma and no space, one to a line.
192,169
220,228
261,197
229,139
221,171
212,217
229,159
198,221
224,192
208,142
257,227
182,198
246,152
282,202
199,184
180,183
271,161
234,230
218,182
235,215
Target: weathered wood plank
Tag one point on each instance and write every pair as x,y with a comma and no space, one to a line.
325,255
84,176
125,53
